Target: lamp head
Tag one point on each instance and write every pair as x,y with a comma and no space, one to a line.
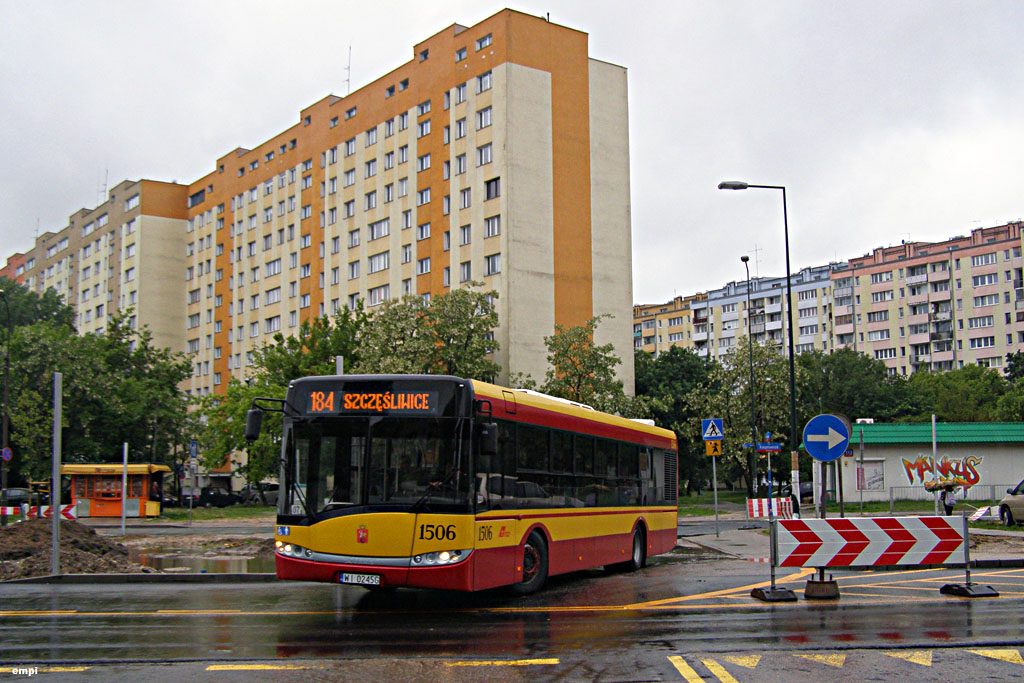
744,258
732,185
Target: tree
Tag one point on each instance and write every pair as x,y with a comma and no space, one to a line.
313,349
847,383
1014,366
726,394
666,381
28,307
967,394
223,433
583,371
449,335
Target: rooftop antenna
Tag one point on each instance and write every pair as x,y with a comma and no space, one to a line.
101,191
348,73
757,261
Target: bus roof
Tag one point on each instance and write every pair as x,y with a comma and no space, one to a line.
114,468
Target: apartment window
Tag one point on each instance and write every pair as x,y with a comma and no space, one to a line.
389,128
980,321
492,264
460,54
423,266
371,137
446,170
349,113
379,228
403,120
389,192
353,238
406,219
406,253
370,200
446,240
348,209
460,93
423,231
129,251
446,277
272,324
272,296
348,178
465,271
131,202
465,234
379,262
350,147
483,82
280,208
305,241
334,122
389,160
129,275
423,162
406,287
987,300
403,187
268,214
984,259
465,198
492,189
481,43
306,211
403,154
483,154
423,108
423,197
983,342
273,267
982,280
460,129
483,118
423,128
378,295
370,168
304,270
460,164
332,216
193,320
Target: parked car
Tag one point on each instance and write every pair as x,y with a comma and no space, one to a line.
18,496
211,496
250,493
1011,507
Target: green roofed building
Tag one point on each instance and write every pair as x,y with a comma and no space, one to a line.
984,457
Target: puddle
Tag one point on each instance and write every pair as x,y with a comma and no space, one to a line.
190,562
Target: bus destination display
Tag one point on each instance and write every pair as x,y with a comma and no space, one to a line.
378,402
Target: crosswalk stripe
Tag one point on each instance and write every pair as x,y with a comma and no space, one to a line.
1011,656
719,671
922,657
832,660
685,669
746,661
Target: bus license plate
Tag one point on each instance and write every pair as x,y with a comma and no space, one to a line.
361,579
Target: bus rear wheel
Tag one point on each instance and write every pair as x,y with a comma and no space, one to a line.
535,565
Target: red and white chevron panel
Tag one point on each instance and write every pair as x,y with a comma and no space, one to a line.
66,511
867,542
757,508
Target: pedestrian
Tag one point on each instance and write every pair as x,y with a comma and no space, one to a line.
948,497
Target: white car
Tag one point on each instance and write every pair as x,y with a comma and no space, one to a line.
1011,507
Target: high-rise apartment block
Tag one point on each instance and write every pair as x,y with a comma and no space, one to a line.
916,306
498,154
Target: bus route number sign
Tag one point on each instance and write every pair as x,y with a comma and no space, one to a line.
376,402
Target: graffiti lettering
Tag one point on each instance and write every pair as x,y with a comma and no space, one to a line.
965,469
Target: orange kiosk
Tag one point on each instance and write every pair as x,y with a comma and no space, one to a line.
96,489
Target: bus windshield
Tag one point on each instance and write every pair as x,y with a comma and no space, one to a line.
383,463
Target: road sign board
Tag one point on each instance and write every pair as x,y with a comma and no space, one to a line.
192,447
712,428
713,448
769,447
7,454
826,437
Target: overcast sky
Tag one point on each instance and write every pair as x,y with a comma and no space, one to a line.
886,120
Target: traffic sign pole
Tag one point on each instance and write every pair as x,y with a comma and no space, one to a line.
712,433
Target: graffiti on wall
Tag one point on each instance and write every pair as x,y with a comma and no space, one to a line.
919,471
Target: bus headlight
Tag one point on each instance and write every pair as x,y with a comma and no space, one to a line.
292,550
439,558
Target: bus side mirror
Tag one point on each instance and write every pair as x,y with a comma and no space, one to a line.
253,422
488,438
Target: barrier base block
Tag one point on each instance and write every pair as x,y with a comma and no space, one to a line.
969,590
777,594
821,590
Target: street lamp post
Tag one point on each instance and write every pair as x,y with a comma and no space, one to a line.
750,343
5,418
739,185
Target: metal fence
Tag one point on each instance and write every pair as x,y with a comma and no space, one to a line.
979,494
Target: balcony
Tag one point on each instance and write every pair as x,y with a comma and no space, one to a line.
939,296
842,291
941,315
731,315
757,328
776,325
844,329
919,338
917,318
700,336
773,308
917,279
919,358
938,276
940,336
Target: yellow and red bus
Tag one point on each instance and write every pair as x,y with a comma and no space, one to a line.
439,482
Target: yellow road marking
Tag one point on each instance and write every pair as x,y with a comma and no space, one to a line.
63,669
719,671
684,669
746,661
922,657
199,611
806,571
262,667
35,613
1011,656
505,662
832,660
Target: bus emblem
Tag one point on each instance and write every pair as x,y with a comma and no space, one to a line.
362,535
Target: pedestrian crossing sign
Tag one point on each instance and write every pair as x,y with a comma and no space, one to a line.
712,429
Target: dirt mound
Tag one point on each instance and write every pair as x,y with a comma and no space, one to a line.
25,551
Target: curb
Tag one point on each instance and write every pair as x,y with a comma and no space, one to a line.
146,578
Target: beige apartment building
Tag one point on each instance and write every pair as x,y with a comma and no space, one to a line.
935,305
499,153
123,254
916,306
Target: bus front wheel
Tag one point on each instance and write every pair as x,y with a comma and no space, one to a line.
535,565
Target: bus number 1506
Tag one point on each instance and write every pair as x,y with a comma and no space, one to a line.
439,532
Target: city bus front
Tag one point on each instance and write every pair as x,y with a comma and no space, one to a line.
377,474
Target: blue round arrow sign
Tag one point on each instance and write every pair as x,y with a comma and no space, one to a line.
826,437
